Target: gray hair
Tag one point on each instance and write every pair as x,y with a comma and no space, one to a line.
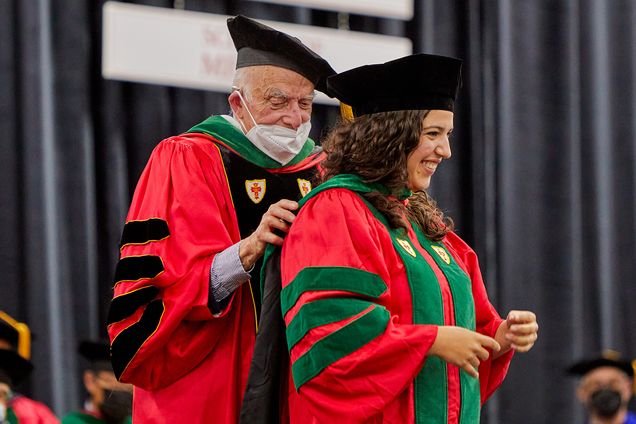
243,81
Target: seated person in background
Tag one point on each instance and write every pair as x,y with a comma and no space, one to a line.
605,388
108,400
15,352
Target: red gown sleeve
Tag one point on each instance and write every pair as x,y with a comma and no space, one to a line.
352,353
180,217
491,372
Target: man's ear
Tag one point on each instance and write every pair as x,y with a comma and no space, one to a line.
628,388
581,393
236,105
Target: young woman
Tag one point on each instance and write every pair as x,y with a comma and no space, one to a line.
387,317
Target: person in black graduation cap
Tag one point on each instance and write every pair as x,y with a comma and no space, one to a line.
605,388
15,367
109,401
183,318
387,317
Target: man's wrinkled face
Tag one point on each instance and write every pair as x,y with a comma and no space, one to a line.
274,96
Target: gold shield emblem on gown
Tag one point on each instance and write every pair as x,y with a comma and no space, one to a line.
256,189
304,186
441,252
406,246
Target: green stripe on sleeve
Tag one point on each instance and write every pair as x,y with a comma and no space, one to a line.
339,344
331,278
321,312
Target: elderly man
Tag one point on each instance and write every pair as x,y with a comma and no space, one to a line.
605,388
184,316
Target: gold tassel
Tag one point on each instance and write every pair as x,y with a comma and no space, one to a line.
24,335
346,112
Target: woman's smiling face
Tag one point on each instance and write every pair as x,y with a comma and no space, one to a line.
434,147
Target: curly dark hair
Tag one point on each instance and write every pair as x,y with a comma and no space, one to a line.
376,147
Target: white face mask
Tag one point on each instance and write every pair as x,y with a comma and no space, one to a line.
279,143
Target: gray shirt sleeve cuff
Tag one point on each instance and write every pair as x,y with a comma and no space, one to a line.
227,273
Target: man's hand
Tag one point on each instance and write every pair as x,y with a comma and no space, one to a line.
462,347
278,217
519,331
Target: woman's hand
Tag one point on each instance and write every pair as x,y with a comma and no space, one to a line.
519,331
462,347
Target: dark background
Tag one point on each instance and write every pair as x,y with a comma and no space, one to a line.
542,181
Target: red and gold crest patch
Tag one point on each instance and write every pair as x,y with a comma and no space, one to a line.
304,186
256,189
406,246
441,252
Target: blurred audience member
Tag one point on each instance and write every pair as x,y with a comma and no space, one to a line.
605,388
15,366
109,401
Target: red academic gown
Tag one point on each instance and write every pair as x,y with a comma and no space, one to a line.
29,411
187,363
356,351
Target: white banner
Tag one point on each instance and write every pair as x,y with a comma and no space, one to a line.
192,49
398,9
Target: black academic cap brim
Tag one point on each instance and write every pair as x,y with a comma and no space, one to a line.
97,353
587,365
14,366
94,351
258,44
415,82
8,333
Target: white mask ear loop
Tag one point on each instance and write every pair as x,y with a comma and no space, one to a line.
238,91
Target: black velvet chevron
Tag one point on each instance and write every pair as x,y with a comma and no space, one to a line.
134,268
128,342
125,305
141,232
